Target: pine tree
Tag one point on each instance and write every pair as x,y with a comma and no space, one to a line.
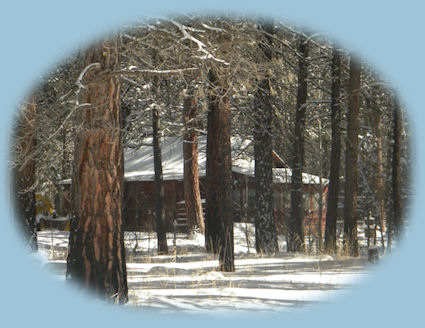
96,257
296,220
351,158
192,194
159,183
219,218
396,171
333,191
265,227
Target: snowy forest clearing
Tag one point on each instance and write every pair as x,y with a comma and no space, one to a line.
187,280
303,105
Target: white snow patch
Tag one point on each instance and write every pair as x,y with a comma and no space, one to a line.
188,279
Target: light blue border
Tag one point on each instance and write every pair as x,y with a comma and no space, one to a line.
388,34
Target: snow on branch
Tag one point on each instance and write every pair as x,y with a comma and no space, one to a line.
201,45
80,78
169,72
213,28
84,71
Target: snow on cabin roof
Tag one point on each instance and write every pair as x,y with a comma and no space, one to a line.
139,165
280,175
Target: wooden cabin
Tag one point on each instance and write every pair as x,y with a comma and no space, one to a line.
139,200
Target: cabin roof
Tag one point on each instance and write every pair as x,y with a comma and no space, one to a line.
139,165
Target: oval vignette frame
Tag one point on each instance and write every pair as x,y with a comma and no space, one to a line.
38,296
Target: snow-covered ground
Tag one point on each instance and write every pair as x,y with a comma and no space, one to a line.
187,279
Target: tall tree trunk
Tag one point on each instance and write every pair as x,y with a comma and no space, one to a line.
157,158
265,226
60,209
159,184
333,191
192,194
379,178
96,257
296,224
219,220
320,193
125,111
212,220
396,176
351,158
24,175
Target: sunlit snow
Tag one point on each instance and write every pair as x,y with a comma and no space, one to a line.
187,279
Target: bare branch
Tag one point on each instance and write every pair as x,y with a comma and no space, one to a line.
201,45
167,72
84,71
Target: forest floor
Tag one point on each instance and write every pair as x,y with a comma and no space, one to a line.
187,280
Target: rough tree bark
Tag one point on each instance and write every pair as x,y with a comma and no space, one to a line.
24,175
333,191
265,226
219,220
96,257
296,219
192,194
351,157
159,184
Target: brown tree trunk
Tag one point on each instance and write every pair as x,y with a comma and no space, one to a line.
379,178
159,184
396,175
192,194
60,207
96,257
212,219
333,191
351,157
296,219
24,175
265,226
219,220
